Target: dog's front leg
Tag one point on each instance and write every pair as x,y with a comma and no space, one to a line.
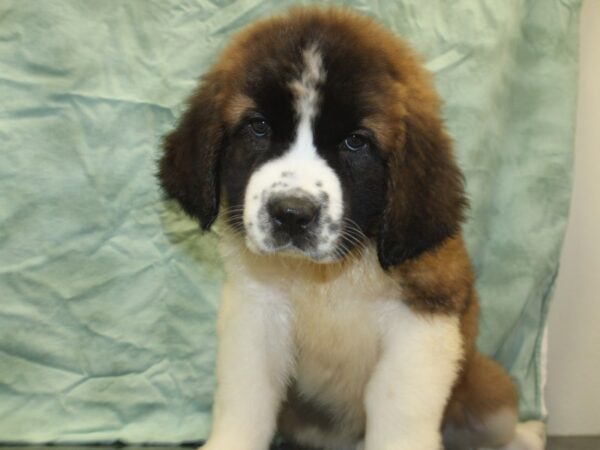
253,362
409,388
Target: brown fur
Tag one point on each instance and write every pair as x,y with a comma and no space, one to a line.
439,281
419,239
236,107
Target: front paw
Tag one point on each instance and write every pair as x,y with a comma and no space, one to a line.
228,444
215,445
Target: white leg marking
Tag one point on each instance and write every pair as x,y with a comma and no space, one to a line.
408,391
253,363
528,436
493,430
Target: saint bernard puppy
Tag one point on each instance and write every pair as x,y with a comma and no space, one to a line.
348,317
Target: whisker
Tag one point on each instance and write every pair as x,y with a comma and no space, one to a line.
352,239
352,225
232,209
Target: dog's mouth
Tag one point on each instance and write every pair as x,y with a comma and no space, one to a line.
294,251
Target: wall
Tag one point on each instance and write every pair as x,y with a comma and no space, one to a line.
573,391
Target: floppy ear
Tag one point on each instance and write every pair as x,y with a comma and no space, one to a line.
425,194
188,169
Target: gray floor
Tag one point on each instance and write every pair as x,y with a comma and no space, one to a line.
557,443
554,443
579,443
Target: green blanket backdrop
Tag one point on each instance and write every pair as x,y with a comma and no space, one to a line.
108,294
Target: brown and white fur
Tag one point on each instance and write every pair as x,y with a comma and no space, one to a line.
348,318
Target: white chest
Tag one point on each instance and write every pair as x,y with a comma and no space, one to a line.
336,336
332,318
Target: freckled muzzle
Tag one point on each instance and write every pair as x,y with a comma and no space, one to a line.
296,211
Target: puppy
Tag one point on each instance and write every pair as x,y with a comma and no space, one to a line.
348,317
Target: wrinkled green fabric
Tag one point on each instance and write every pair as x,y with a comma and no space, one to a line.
108,294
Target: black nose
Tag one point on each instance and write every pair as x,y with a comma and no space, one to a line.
292,215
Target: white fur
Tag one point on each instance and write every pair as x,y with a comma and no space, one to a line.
501,426
299,171
408,391
254,359
357,348
529,435
494,430
340,331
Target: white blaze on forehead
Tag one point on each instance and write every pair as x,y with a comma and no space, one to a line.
306,89
306,98
300,170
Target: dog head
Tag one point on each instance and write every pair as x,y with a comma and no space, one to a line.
314,133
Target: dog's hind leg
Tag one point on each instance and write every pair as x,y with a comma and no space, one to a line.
482,412
529,435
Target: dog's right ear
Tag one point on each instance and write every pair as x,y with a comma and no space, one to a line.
189,166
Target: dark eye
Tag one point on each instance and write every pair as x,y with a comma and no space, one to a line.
355,142
260,128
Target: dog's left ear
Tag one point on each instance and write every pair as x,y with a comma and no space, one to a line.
425,193
189,168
